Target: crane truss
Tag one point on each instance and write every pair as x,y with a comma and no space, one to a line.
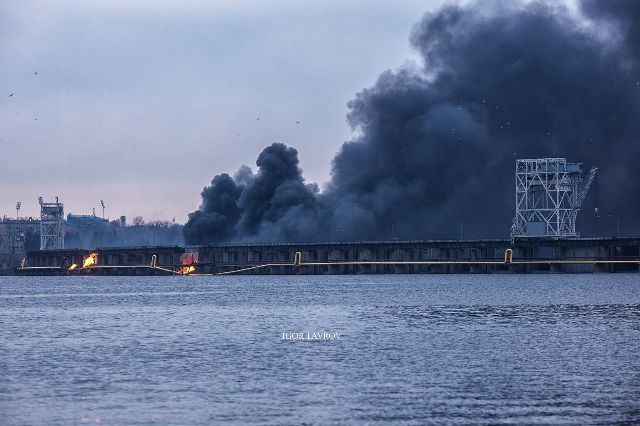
549,192
51,225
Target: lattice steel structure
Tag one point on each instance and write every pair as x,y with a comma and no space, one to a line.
51,225
549,192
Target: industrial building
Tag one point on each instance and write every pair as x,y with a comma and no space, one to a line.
17,235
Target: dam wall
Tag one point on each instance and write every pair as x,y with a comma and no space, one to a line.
108,261
586,255
436,256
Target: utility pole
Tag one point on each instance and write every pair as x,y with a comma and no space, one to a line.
461,231
618,227
596,210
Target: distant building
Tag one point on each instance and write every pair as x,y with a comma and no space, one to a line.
16,237
82,229
85,220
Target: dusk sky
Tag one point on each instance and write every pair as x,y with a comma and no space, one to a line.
141,103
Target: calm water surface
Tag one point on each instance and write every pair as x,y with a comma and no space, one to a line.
439,349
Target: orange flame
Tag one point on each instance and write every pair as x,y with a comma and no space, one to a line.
188,260
91,260
186,270
72,267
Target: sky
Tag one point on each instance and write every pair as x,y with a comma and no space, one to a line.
141,103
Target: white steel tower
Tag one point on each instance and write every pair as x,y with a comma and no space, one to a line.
549,193
51,225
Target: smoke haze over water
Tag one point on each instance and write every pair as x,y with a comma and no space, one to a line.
435,145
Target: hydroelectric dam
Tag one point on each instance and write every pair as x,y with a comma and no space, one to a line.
583,255
548,195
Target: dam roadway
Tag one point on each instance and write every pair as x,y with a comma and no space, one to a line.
583,255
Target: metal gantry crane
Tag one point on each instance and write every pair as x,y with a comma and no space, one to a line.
51,225
549,193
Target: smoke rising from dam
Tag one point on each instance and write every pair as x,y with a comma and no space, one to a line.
435,144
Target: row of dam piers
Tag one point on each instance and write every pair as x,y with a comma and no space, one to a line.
588,255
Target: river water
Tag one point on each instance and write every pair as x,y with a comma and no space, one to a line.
403,349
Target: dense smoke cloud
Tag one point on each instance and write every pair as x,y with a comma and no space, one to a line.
622,18
436,144
267,205
219,213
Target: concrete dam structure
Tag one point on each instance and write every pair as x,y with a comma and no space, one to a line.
549,193
530,255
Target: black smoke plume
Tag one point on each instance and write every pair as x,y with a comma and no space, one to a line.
436,143
219,213
266,206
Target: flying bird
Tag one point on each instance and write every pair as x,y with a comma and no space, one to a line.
35,73
11,95
257,118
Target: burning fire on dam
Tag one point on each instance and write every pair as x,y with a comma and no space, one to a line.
90,260
188,262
